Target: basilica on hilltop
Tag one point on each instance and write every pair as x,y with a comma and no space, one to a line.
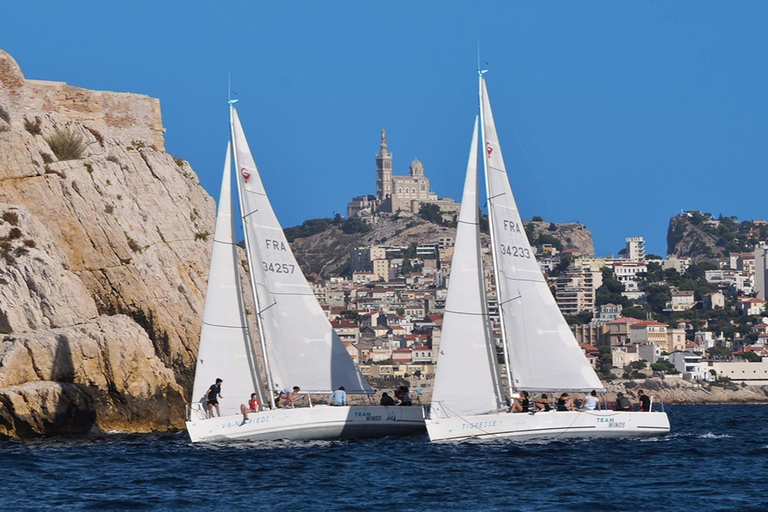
398,194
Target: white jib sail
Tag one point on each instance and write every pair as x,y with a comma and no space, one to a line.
543,351
225,347
466,378
302,347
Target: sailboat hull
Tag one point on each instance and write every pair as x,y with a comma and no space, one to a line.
549,425
310,423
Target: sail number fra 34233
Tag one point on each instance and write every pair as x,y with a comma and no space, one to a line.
513,250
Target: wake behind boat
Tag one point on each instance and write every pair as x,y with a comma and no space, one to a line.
298,344
540,352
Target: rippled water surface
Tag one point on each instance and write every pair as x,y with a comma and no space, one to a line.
715,459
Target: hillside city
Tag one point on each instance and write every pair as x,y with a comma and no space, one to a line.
698,317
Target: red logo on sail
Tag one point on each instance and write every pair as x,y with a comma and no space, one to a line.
245,174
488,148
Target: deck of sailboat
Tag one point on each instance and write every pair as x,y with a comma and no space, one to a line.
320,422
550,425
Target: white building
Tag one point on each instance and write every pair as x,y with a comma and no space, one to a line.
755,374
690,365
635,248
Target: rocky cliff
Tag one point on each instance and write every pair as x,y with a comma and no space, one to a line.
701,236
103,262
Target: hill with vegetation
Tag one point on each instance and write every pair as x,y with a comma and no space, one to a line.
701,236
322,246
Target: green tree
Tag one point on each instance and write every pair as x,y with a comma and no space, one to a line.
750,356
610,291
431,213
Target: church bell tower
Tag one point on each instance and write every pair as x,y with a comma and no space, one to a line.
383,171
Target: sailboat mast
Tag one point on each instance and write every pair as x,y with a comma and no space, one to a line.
251,273
494,255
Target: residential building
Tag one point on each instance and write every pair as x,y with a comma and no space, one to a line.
627,273
713,300
734,281
618,332
635,248
648,352
750,306
575,288
682,300
622,356
690,365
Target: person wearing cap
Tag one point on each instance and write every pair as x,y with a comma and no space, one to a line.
622,402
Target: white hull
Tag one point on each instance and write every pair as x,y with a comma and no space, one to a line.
549,425
320,422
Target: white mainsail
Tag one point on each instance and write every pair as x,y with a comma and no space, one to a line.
302,347
225,348
542,350
466,346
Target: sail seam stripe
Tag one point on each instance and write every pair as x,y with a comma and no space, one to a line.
249,214
523,280
223,242
469,223
466,313
225,326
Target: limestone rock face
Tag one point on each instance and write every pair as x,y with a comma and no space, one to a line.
108,251
44,408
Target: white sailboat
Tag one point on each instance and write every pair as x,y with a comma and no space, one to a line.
541,354
299,346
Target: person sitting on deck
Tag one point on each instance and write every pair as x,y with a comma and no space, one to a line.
565,403
287,396
591,401
522,404
338,397
622,402
645,401
542,404
254,405
386,399
402,395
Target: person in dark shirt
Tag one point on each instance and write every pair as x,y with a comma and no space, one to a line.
386,399
403,396
645,401
214,393
622,402
542,404
522,404
565,403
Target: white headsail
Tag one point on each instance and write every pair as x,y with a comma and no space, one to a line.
543,352
466,380
302,348
225,348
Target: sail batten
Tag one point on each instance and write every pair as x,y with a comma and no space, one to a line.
542,351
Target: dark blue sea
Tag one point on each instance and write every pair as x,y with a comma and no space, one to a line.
715,459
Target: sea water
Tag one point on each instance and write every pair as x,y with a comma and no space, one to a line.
715,459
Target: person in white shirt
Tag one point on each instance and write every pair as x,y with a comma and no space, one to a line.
590,401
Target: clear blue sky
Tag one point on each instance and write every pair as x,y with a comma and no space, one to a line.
614,114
